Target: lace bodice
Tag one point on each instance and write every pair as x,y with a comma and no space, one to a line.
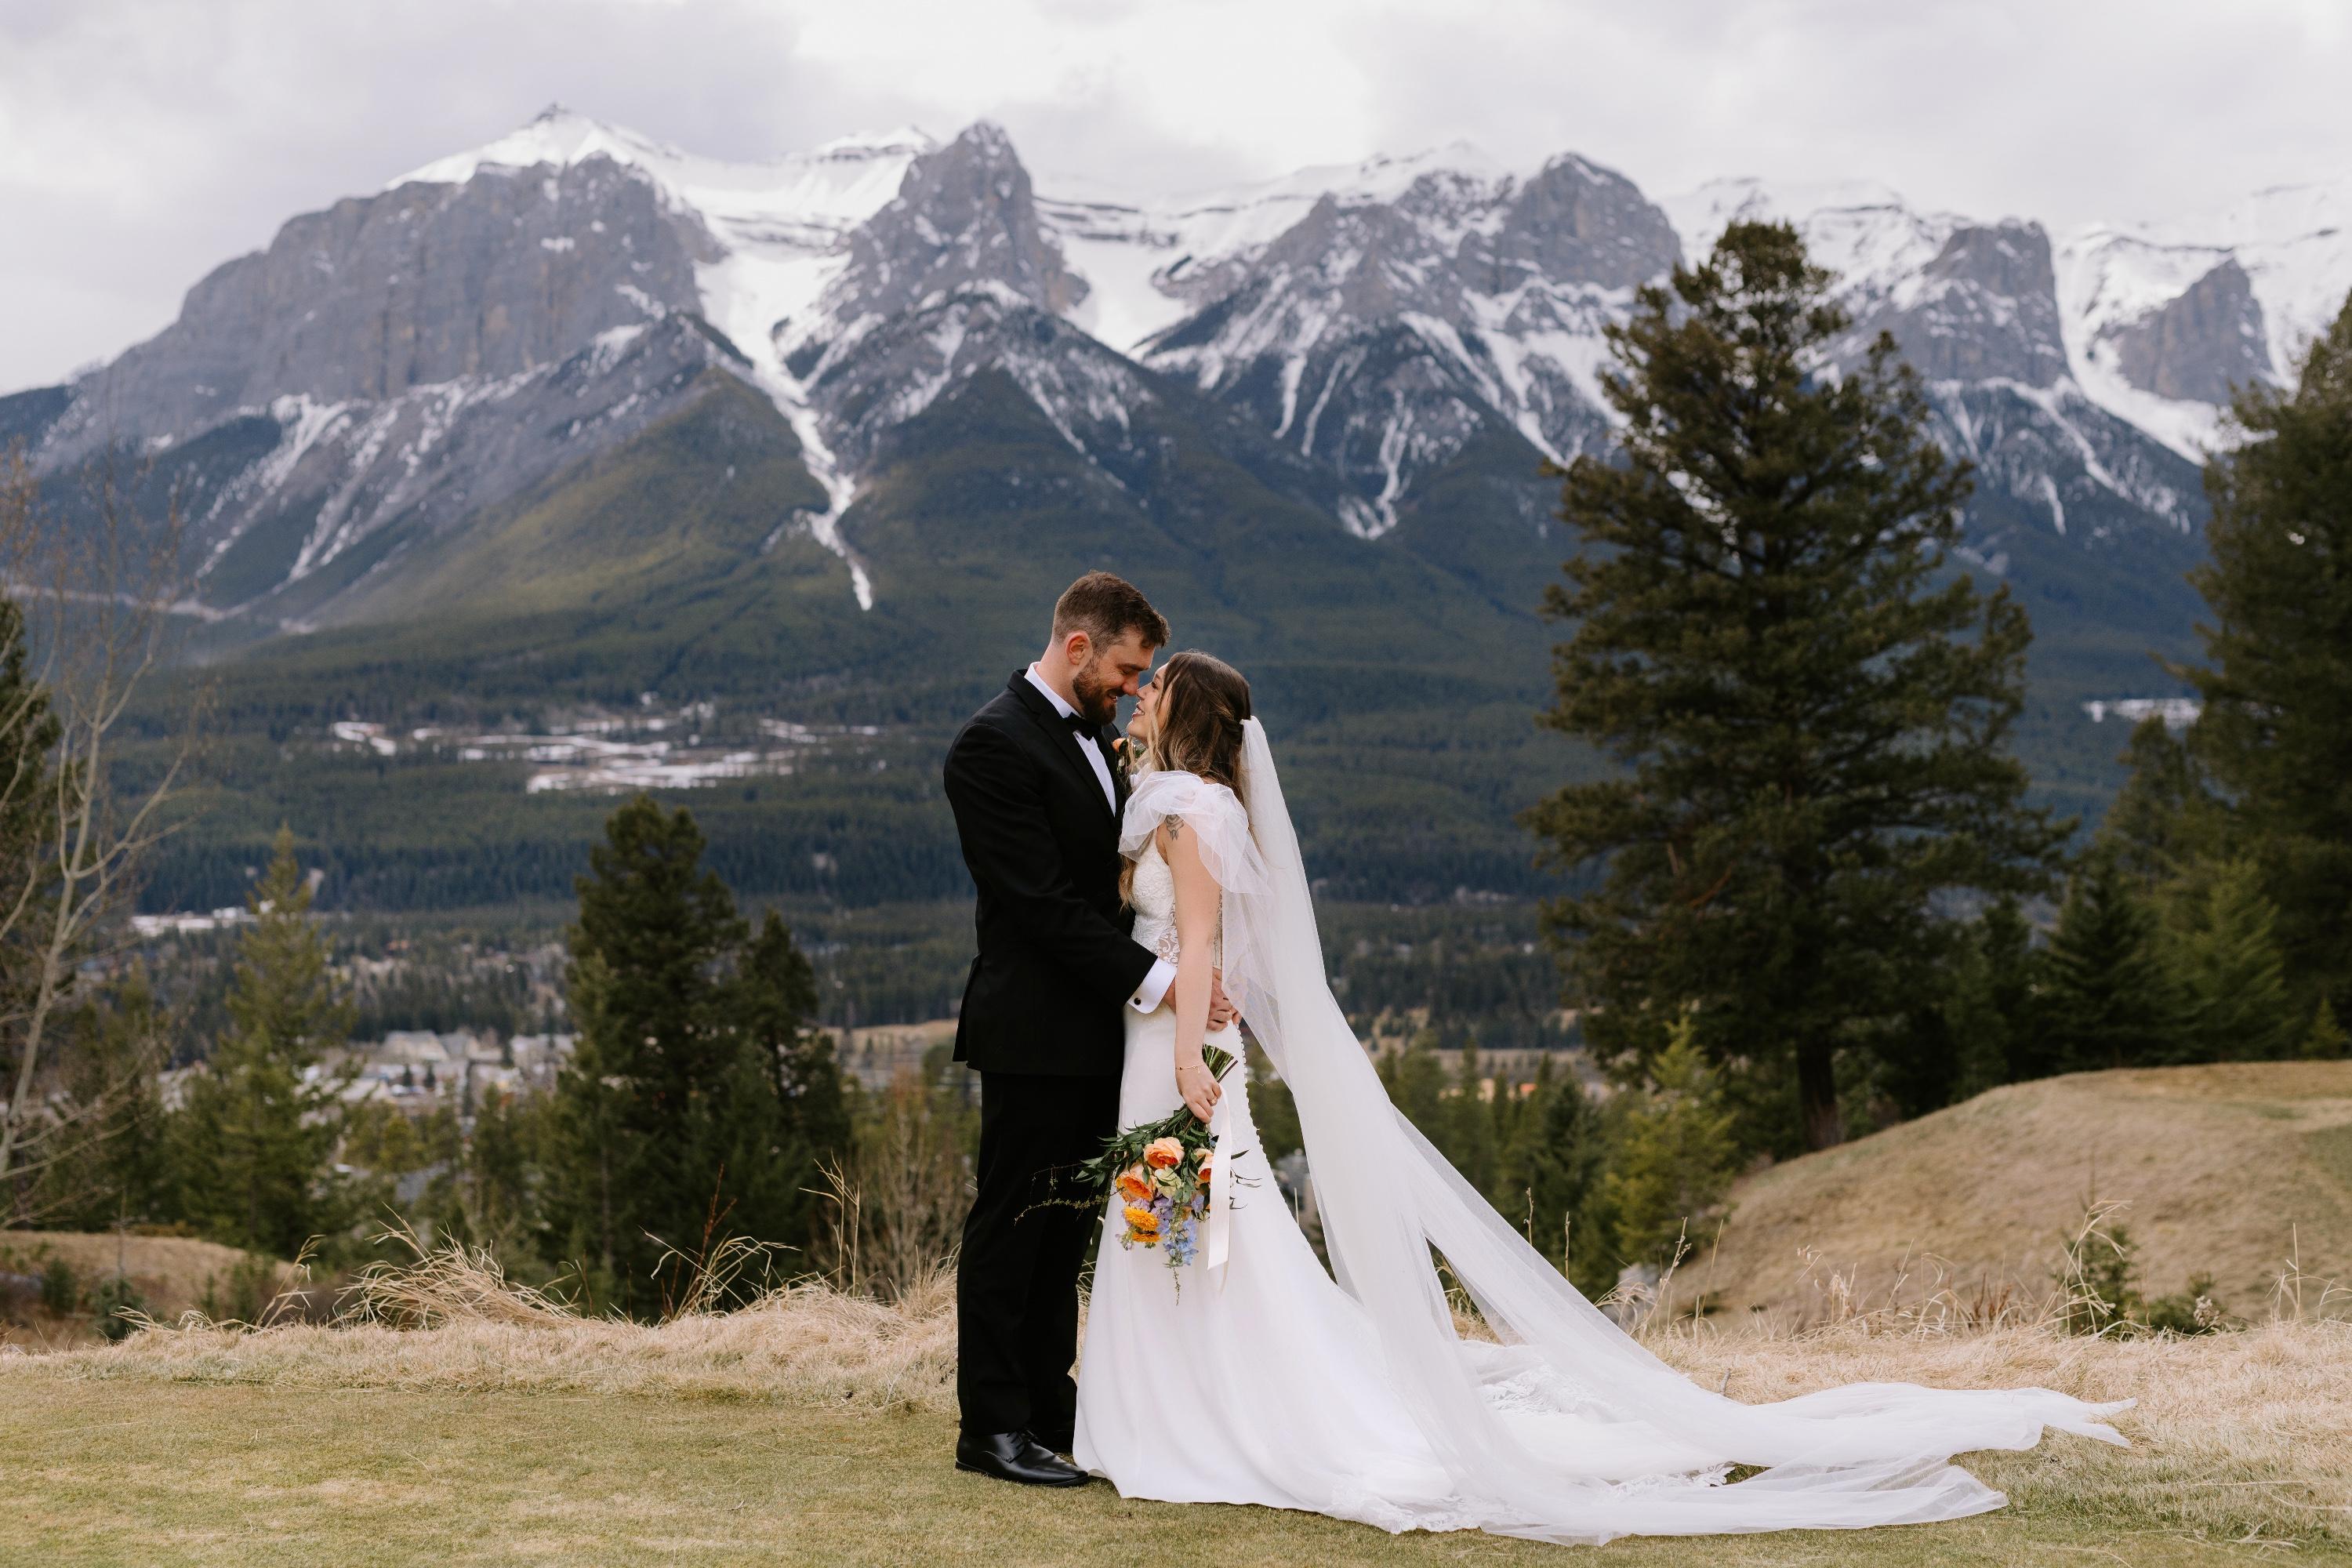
1155,903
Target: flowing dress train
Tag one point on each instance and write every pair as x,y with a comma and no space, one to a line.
1266,1380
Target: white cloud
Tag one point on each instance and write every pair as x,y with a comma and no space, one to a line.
143,141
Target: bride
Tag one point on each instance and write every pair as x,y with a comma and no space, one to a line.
1248,1376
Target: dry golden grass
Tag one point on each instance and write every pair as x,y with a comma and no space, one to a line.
184,1475
2227,1169
827,1416
2237,1436
805,1345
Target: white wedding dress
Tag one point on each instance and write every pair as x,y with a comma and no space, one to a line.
1251,1376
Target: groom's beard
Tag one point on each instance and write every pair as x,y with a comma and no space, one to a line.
1097,698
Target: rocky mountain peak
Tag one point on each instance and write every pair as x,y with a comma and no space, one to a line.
424,284
965,217
1576,222
1984,308
1418,308
555,136
2200,346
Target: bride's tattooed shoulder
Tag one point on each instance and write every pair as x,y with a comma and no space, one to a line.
1175,826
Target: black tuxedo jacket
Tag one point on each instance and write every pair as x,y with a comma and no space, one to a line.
1056,961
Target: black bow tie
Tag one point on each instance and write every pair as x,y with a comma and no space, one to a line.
1087,728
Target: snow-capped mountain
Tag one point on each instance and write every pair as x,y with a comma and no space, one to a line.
2163,319
1395,346
1975,308
1410,307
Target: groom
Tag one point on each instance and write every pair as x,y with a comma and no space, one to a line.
1037,807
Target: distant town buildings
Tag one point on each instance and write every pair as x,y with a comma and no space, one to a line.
2177,712
420,1068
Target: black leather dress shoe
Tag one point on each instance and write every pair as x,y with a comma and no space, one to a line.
1057,1442
1016,1457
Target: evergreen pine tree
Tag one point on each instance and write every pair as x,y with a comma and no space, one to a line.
488,1190
1521,1139
1674,1157
777,1128
29,729
696,1102
115,1172
2277,727
1812,709
1274,1109
1471,1142
2110,1001
2325,1041
2006,939
1515,1114
2228,959
388,1143
1415,1081
1978,1029
1990,1009
255,1142
2164,821
1558,1169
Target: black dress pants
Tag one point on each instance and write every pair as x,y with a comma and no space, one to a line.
1017,1276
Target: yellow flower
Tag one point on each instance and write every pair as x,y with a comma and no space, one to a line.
1142,1223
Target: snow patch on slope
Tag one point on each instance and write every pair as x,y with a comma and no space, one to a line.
1862,231
2294,244
781,229
1138,258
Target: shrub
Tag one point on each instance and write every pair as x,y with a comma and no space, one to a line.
60,1288
246,1294
2192,1311
109,1300
2099,1275
1673,1160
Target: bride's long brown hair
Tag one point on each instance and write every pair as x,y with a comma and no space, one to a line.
1203,702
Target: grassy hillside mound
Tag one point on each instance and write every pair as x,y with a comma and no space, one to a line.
171,1273
2227,1169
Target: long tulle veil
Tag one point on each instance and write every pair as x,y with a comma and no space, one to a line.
1863,1455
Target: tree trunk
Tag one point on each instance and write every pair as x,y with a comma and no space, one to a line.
1817,1103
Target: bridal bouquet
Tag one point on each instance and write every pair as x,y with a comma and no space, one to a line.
1160,1173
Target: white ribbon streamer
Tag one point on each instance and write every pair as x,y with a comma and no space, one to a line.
1217,1239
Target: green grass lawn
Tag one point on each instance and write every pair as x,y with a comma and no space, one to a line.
143,1473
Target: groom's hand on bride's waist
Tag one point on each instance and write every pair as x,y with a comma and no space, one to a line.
1221,1012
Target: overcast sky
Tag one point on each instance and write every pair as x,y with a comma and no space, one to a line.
143,141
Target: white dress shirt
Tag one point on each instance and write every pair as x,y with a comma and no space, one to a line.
1154,989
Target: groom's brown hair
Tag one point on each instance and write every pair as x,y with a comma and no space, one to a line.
1106,607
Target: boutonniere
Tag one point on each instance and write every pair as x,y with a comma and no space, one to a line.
1122,756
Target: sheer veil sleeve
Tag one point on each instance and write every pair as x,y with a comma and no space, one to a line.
1219,826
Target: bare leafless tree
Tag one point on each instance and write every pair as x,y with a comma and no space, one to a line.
98,591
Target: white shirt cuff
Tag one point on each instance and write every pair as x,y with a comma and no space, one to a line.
1154,989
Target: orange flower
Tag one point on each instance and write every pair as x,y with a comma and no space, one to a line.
1201,1175
1135,1184
1144,1223
1162,1152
